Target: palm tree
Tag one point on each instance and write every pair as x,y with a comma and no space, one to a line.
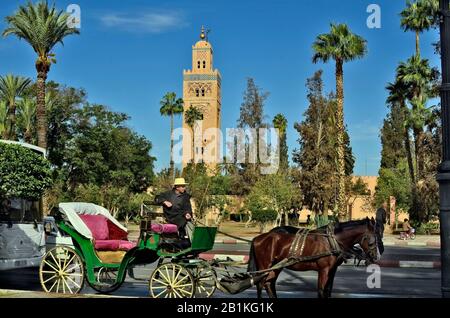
280,122
419,16
3,114
42,27
171,106
27,113
342,46
12,87
417,76
190,117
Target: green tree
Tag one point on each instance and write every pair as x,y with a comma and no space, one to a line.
23,173
42,27
398,94
191,115
420,80
103,152
3,115
12,87
170,106
342,46
280,122
251,116
27,118
317,156
271,192
418,16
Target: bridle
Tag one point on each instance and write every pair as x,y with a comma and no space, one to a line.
372,252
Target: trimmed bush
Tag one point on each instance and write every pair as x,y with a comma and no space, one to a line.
23,173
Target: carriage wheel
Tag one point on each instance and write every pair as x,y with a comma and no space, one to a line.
171,281
107,280
61,271
205,281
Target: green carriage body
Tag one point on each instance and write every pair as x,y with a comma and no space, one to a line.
148,250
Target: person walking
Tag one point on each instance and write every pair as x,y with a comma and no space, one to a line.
380,221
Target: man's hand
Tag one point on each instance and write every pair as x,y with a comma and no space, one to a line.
188,216
167,204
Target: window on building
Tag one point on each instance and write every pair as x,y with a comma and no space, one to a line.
203,92
204,64
197,92
198,64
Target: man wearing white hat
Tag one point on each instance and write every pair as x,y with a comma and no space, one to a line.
177,207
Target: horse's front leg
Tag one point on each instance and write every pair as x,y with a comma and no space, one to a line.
329,284
322,281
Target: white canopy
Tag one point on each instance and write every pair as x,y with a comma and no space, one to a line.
73,209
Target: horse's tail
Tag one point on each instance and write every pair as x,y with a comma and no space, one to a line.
252,267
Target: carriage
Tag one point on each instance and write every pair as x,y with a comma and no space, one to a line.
101,254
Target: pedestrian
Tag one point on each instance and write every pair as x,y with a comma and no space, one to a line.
177,207
380,221
308,220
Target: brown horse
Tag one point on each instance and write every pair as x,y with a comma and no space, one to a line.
316,247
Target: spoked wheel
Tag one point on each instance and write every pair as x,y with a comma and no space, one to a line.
61,271
107,280
171,281
205,281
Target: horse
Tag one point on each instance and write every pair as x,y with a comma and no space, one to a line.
316,249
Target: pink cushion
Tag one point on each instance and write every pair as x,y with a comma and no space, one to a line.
164,228
113,245
97,224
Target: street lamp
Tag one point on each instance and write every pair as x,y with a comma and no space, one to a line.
443,176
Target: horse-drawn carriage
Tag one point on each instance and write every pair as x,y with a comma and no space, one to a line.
100,254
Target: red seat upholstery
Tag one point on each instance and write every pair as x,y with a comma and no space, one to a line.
107,236
164,228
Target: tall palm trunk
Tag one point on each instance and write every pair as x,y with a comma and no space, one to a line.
407,142
342,207
417,44
418,133
172,169
10,128
40,110
28,135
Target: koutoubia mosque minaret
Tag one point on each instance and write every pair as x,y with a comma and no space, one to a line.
201,88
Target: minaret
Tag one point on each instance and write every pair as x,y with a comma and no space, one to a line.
201,88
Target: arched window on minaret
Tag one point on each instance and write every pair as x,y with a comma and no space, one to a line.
198,64
204,64
203,92
197,92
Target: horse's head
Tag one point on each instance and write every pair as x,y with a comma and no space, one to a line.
362,233
368,242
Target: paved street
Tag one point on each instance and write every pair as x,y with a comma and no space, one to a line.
349,281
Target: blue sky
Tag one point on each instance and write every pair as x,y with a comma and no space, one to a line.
130,53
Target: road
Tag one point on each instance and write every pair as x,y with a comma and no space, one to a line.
349,281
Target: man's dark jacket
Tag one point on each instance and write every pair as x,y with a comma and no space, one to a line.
181,205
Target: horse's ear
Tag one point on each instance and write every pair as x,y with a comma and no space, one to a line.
372,220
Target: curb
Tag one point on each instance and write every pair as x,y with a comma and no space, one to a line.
382,263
